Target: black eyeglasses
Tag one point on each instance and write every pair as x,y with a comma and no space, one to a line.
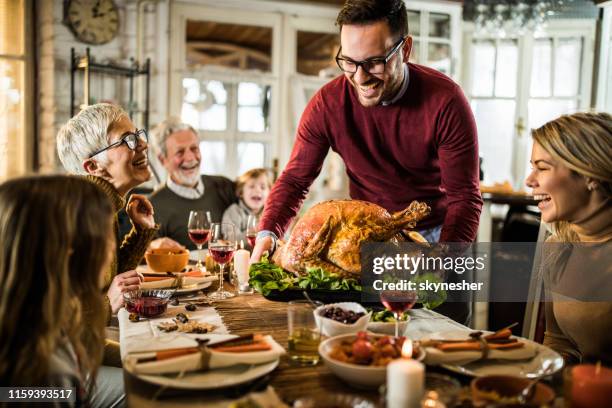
130,139
374,65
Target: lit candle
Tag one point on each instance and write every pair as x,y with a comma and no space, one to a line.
405,383
591,386
241,266
407,349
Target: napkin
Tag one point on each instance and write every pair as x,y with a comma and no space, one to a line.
435,356
193,361
164,283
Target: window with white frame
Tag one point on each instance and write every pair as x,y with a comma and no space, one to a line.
225,84
520,84
493,99
14,89
233,119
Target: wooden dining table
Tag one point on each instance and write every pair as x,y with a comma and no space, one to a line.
253,313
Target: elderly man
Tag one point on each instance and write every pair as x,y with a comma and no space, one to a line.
177,145
102,143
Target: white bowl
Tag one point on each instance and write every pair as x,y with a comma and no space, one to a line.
330,327
388,327
360,376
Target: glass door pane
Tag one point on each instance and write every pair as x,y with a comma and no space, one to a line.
439,25
11,27
253,107
316,53
541,68
495,121
567,70
415,56
214,157
414,23
205,104
507,69
483,68
251,155
228,45
12,132
439,57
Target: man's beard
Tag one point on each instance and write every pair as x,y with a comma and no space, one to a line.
188,180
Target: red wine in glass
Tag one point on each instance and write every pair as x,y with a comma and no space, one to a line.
222,254
198,236
251,230
251,238
198,228
398,301
221,245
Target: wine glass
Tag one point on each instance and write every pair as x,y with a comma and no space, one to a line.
221,246
398,301
251,230
198,229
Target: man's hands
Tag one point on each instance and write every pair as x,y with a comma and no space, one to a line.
166,243
261,245
140,211
123,282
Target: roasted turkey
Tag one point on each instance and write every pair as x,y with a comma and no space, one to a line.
330,234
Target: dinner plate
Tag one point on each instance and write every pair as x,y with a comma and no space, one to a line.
546,361
145,269
194,288
218,378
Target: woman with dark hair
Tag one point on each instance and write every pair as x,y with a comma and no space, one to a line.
56,242
572,180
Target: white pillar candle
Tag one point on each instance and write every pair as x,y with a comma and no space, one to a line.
405,383
241,265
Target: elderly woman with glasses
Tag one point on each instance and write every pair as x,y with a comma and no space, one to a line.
102,144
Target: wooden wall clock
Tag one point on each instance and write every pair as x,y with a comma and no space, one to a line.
92,21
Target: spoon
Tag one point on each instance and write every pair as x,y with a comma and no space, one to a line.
308,298
525,395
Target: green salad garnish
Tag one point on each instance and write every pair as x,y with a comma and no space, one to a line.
264,276
386,316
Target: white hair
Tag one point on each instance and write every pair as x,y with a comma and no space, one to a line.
86,133
163,130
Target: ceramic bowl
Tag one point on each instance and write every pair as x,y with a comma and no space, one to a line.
505,388
330,327
167,260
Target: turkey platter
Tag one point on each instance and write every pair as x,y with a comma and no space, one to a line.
330,234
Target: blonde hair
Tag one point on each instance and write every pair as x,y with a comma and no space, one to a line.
582,142
251,175
53,244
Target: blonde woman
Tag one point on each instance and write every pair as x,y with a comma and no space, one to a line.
572,180
56,242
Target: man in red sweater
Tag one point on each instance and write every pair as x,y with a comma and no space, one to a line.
404,131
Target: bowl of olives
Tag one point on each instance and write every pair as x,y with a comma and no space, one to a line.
341,318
